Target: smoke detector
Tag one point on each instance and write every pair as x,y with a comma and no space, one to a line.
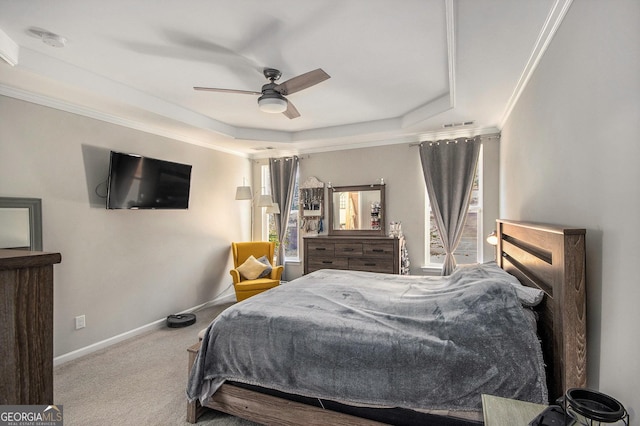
49,38
54,40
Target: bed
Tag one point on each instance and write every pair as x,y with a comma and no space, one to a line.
547,261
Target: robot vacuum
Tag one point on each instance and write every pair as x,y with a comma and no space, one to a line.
180,320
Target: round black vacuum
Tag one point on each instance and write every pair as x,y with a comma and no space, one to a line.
180,320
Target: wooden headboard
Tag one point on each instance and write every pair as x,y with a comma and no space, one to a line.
552,258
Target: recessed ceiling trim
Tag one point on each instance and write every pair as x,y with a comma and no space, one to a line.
548,31
348,130
451,50
447,101
424,112
62,72
9,49
263,135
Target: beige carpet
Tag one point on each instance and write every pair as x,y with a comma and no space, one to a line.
140,381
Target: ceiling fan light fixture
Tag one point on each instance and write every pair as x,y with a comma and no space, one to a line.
272,103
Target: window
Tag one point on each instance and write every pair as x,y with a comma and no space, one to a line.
268,223
470,248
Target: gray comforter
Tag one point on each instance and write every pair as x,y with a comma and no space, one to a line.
382,340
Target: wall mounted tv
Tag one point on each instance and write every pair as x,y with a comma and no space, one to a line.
137,182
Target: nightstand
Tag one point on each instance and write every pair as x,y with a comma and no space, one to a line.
499,411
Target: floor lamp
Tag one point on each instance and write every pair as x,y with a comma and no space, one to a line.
244,193
264,200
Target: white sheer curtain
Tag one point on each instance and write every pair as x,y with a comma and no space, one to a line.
449,170
283,177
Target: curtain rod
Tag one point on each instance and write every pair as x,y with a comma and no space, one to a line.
291,157
482,137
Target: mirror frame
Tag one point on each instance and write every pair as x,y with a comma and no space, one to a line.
34,205
358,232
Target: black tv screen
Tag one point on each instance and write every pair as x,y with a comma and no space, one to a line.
137,182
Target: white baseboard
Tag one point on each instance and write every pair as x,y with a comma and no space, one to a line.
70,356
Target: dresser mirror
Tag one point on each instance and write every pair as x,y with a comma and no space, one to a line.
357,210
20,223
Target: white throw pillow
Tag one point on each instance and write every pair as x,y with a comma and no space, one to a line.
251,268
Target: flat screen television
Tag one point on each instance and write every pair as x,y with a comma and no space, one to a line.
137,182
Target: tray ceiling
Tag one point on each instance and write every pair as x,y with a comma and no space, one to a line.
400,70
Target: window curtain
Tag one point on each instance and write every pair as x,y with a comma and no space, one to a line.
449,170
283,177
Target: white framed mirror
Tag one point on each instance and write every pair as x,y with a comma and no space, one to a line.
20,223
357,210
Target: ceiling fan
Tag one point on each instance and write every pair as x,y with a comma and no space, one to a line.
272,97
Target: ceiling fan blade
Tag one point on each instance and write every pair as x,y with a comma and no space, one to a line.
213,89
291,112
302,81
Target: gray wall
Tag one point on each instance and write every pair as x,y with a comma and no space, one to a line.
400,167
123,269
569,155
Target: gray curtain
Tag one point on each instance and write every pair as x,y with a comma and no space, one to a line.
449,170
283,177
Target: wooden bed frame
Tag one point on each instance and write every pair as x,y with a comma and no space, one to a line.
548,257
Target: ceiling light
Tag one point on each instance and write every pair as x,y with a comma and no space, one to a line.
272,103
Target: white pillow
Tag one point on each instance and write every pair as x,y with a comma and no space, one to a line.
251,268
528,296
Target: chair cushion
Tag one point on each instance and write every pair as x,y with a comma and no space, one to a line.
259,284
251,268
268,269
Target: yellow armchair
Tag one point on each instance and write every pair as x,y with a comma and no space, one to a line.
246,288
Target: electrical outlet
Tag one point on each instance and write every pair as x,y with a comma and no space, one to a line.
80,322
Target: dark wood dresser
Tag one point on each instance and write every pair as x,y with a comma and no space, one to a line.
26,327
372,254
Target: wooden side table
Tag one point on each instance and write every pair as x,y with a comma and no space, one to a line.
499,411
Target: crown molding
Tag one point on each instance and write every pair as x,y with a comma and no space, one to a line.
548,31
84,111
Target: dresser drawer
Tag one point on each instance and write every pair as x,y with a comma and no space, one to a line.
320,263
373,254
380,249
321,249
348,249
371,265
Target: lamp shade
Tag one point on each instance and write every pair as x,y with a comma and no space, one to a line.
243,193
273,208
264,200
